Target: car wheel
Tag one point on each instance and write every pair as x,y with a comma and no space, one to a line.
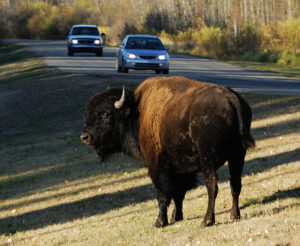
70,53
157,71
124,69
118,67
166,71
99,53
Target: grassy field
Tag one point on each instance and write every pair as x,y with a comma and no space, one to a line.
291,71
17,64
54,192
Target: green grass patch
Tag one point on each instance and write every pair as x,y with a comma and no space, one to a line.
18,64
13,53
292,71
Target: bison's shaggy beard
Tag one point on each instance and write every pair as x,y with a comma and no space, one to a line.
104,152
100,155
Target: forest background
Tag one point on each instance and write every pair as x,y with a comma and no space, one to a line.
252,30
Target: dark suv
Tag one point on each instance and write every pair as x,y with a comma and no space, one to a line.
85,38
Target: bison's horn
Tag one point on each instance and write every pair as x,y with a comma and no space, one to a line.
119,104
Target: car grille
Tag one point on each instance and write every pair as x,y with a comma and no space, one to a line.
147,57
86,41
147,65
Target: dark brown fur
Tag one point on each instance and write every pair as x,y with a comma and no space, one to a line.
177,127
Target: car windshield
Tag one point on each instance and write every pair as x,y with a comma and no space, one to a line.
85,31
144,43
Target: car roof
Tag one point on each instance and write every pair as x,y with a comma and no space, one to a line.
141,36
84,26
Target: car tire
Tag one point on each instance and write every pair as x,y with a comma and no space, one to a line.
70,53
166,71
124,69
99,53
118,67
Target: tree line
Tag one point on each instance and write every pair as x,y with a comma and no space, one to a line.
233,27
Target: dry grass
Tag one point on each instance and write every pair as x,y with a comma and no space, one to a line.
53,192
292,71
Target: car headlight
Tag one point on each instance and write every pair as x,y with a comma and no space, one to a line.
74,41
131,56
97,41
162,57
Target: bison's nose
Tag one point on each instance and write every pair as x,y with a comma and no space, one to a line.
85,138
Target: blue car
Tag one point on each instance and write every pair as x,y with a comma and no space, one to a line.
142,52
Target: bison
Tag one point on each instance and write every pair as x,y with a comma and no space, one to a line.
177,127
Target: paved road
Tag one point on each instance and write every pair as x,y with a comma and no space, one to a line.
55,55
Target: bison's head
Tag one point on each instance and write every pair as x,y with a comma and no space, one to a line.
107,118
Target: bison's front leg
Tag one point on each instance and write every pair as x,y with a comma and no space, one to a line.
211,180
177,211
163,203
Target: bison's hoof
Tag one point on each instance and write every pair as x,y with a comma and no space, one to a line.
176,219
208,223
160,223
235,215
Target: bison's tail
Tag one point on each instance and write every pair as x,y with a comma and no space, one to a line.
247,140
244,115
245,123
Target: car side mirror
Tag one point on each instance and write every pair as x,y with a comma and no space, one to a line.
167,48
103,36
121,46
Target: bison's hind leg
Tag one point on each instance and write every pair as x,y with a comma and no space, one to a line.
236,164
211,181
182,183
162,180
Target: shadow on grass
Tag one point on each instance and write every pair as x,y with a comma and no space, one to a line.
276,196
276,130
264,163
76,210
51,176
270,106
279,195
28,202
260,164
13,53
